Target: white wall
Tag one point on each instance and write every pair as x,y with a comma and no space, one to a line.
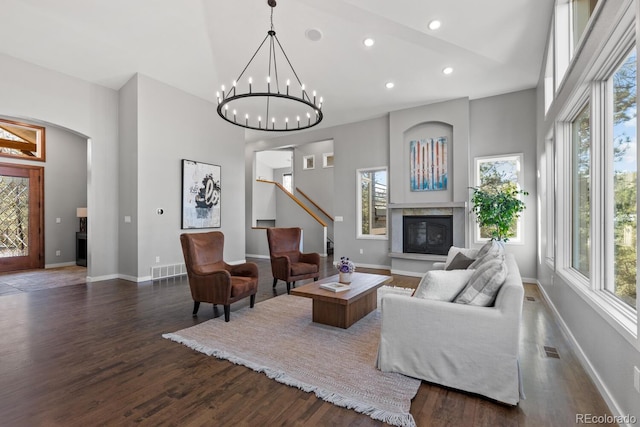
39,95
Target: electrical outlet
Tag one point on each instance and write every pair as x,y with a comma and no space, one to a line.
157,259
636,378
57,253
361,251
58,220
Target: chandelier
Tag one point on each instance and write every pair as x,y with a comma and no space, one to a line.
279,102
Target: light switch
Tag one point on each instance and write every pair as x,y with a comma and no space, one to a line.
58,220
127,218
339,219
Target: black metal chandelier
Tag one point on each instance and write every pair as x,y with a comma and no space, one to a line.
282,107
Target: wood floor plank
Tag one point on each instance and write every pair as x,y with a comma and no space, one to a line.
93,354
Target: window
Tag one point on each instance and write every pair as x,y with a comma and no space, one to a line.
580,194
624,177
372,203
287,182
581,11
499,171
327,160
309,162
22,140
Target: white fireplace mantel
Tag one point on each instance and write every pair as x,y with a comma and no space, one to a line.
427,205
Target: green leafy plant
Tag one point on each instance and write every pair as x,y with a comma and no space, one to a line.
497,208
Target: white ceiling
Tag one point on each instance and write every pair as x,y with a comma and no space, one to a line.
494,46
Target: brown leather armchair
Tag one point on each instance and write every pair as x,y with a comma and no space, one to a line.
287,262
210,278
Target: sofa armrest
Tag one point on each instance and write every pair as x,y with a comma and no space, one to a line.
438,266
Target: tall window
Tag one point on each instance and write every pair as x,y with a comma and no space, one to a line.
500,172
372,203
581,198
581,11
625,174
287,182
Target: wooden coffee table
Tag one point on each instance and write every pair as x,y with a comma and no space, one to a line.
343,309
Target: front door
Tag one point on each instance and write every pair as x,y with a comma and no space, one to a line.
21,217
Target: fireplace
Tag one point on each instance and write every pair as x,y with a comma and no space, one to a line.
429,234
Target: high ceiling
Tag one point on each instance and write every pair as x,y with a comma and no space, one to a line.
494,46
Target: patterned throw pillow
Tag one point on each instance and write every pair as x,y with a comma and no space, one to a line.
491,250
460,262
442,285
484,284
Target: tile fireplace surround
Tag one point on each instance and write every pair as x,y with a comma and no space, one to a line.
416,264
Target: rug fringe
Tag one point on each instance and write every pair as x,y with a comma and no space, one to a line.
396,419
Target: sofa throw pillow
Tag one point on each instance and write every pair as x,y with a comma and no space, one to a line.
492,249
484,284
441,285
454,250
460,262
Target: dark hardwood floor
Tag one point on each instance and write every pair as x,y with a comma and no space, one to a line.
93,354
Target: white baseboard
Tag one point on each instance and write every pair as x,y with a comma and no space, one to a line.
376,266
582,357
60,264
407,273
257,256
102,278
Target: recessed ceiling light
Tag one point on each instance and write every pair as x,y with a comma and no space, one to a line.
389,85
313,34
435,24
447,70
368,42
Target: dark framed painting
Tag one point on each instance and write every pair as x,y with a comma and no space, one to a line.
428,164
200,195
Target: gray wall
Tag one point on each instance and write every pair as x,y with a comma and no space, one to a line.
38,95
172,126
505,124
358,145
65,187
127,178
317,183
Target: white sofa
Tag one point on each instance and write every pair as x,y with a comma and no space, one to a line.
465,347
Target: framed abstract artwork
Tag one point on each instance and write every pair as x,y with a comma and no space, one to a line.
428,164
200,195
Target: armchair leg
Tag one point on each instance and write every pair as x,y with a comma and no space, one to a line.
196,306
315,279
252,300
288,287
227,312
274,282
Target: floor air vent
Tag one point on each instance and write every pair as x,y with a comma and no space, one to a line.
551,352
164,271
530,298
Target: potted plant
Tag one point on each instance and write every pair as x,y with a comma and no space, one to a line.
345,268
497,208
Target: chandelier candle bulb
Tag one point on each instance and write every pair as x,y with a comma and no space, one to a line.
268,84
250,82
259,121
234,115
246,120
298,118
288,82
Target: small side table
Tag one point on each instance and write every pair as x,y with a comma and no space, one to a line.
81,249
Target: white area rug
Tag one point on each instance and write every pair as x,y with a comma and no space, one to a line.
277,337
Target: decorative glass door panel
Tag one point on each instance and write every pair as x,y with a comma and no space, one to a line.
21,239
14,216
